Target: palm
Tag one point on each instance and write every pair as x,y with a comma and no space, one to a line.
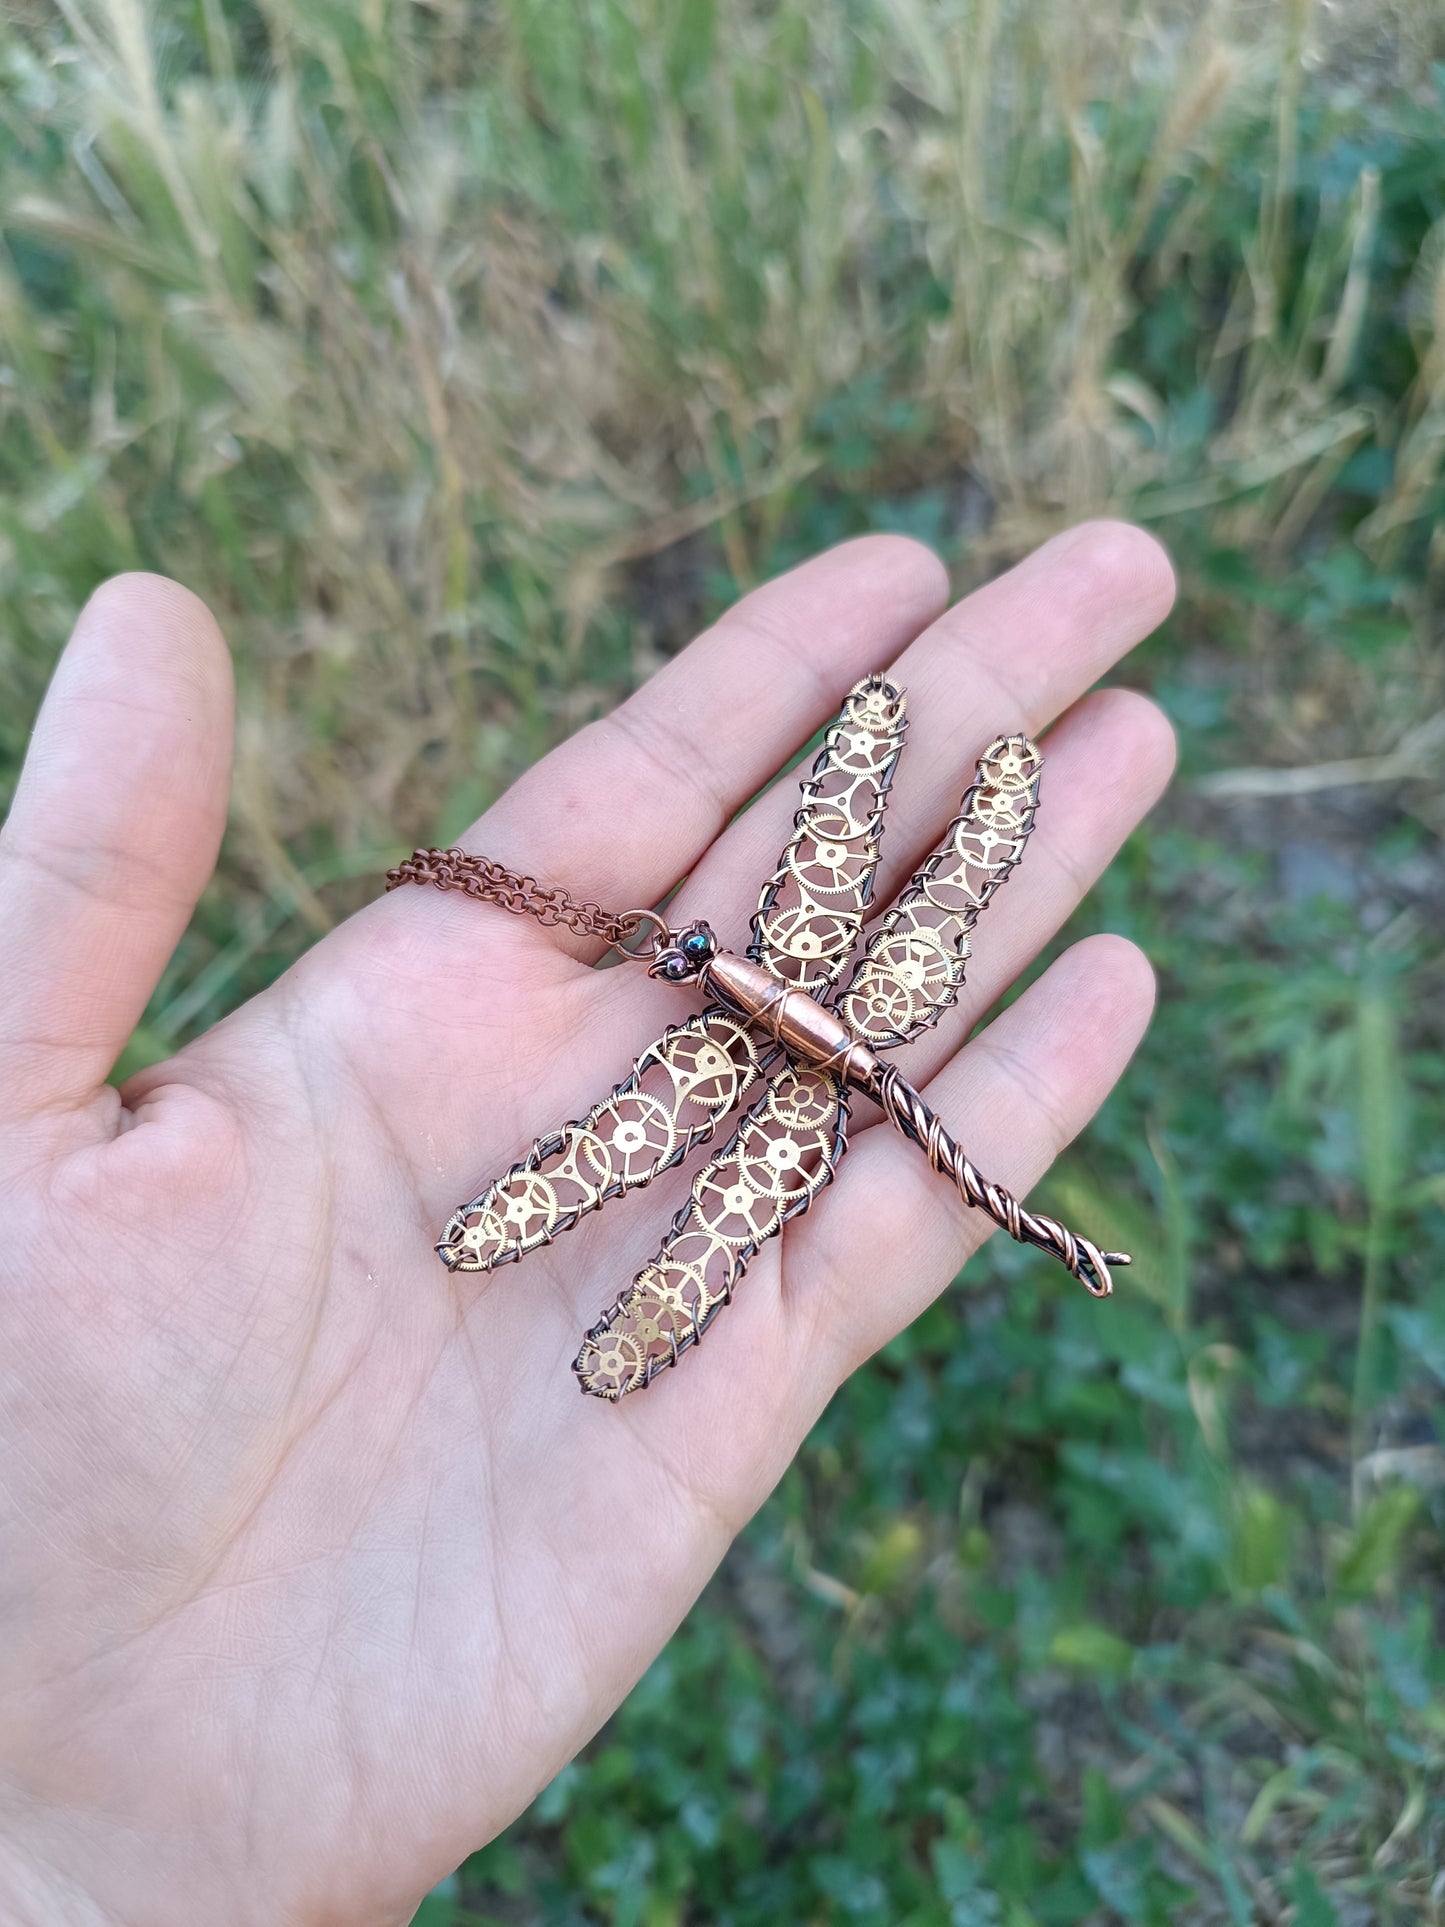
322,1535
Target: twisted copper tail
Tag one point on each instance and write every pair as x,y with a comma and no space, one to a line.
903,1106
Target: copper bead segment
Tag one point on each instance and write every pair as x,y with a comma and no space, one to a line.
806,1031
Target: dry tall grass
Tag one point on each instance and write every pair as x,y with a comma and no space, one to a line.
465,356
401,334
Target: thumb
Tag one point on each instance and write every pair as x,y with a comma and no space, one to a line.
112,836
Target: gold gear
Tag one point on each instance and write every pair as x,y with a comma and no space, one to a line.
638,1132
804,1099
611,1363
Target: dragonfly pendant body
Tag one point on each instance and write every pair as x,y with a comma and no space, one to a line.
811,1035
778,1032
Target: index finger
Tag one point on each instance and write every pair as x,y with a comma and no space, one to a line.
626,806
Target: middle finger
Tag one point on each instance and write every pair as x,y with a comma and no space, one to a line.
1010,657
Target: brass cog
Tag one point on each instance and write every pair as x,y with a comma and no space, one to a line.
526,1205
475,1237
639,1134
611,1363
1012,766
804,1099
861,751
730,1210
706,1074
876,705
695,1257
808,933
1000,808
662,1300
822,862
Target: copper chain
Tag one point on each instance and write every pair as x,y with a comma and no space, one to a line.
510,890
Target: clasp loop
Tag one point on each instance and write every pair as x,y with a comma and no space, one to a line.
641,920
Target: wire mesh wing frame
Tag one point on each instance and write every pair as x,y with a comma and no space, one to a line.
677,1093
813,905
913,967
785,1150
914,964
787,1147
905,980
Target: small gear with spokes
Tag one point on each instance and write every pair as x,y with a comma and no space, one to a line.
875,703
729,1209
525,1204
700,1263
863,751
779,1164
638,1132
1012,764
804,1100
659,1295
472,1239
809,933
981,845
709,1067
611,1363
1000,808
826,860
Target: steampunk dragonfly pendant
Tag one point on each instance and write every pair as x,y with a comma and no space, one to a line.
787,1039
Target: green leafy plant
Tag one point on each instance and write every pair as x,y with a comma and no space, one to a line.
467,359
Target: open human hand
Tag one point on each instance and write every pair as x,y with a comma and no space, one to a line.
314,1567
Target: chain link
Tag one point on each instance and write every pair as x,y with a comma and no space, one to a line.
510,890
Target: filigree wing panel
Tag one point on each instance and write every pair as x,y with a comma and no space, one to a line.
782,1154
674,1098
913,966
813,905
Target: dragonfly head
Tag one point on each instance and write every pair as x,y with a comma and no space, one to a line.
683,956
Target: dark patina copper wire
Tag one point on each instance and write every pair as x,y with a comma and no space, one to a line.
780,1023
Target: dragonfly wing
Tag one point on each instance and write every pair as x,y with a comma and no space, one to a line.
674,1097
780,1157
813,905
913,966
